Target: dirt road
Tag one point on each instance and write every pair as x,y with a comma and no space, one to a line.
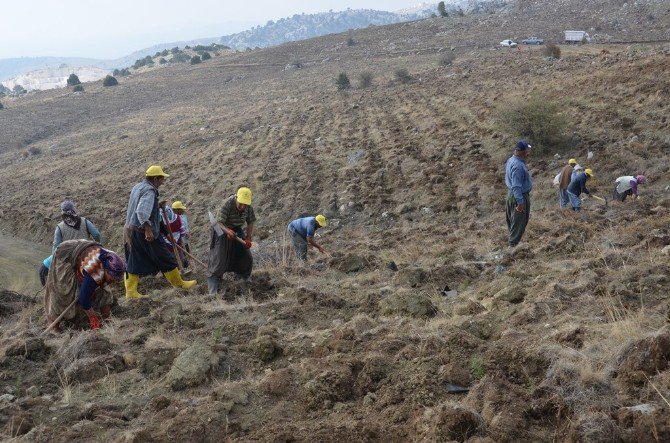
19,263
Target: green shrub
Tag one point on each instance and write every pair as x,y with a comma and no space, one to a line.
477,368
537,119
180,58
162,61
403,75
195,60
447,59
124,72
34,150
73,80
442,10
366,79
175,50
1,105
342,82
206,56
78,88
351,41
18,89
164,53
552,50
110,81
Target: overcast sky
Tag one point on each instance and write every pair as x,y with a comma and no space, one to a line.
114,28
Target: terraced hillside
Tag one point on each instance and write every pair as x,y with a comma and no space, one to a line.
565,338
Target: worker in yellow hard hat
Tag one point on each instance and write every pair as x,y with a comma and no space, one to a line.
229,248
145,253
564,179
302,231
577,187
179,209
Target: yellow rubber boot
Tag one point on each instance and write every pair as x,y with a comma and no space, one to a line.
131,281
174,277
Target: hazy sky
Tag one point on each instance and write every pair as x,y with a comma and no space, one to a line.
114,28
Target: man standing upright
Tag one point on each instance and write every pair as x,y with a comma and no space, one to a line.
519,185
564,182
145,252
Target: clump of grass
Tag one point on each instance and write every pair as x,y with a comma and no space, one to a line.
477,368
552,50
365,79
342,82
403,76
447,59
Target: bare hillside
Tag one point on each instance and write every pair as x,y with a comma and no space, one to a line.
566,338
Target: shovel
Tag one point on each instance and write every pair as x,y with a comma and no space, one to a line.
601,199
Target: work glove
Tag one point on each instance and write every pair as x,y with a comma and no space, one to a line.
247,243
93,319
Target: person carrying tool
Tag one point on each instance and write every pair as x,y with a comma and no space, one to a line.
78,268
73,226
179,209
145,252
577,187
230,252
176,229
302,232
627,185
519,184
565,177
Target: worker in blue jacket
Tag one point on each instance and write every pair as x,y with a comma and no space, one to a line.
577,187
519,184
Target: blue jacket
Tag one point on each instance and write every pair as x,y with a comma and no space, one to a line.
304,227
517,178
578,184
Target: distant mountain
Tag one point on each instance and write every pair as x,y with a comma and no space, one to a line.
11,67
304,26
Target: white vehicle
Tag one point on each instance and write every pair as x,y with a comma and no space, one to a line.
508,43
574,37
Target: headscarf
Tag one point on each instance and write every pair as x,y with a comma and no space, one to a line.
70,216
641,179
112,263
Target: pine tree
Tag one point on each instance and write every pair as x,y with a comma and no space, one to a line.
442,9
73,80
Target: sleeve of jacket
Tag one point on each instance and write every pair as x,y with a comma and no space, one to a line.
517,177
93,230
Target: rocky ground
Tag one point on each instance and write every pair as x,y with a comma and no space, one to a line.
421,326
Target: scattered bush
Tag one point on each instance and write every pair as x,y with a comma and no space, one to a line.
366,79
164,53
73,80
187,47
442,10
206,56
537,119
162,61
175,50
403,75
110,81
447,59
351,41
121,72
157,54
34,150
18,89
146,61
180,58
552,50
1,106
78,88
195,60
342,82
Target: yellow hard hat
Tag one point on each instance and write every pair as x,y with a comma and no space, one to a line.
321,220
178,205
572,161
588,172
156,171
244,196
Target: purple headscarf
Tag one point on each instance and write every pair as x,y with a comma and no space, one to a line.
113,264
70,216
641,179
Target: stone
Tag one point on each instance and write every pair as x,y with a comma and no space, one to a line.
7,398
192,367
409,277
32,349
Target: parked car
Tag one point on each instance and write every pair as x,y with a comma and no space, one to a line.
508,43
533,41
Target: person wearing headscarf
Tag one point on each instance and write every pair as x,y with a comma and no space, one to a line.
79,270
627,185
73,226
